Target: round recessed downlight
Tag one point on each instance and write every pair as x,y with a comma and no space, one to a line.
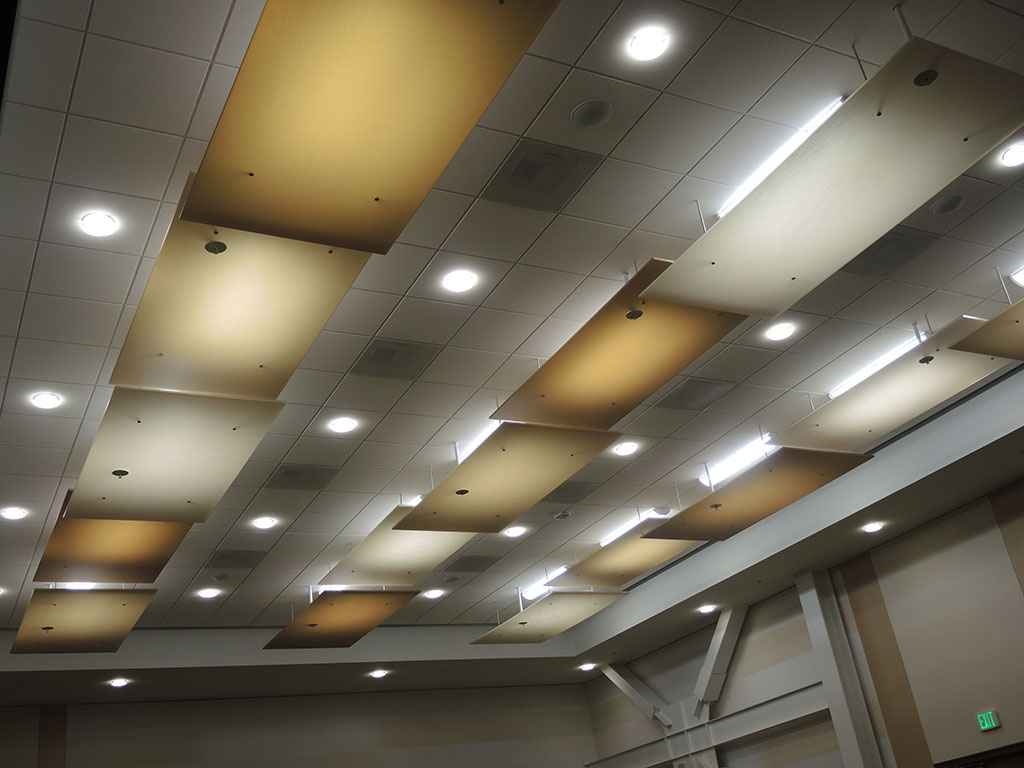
118,682
592,114
379,673
780,331
13,513
588,666
1018,277
342,424
433,594
706,609
264,522
80,585
98,224
1014,155
514,532
947,204
625,449
208,593
45,400
648,43
459,280
873,527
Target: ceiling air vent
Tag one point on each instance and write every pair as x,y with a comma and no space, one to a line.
235,558
389,359
696,394
571,492
472,564
897,247
301,477
541,176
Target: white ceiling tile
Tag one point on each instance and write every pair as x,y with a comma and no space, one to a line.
372,455
883,302
997,222
812,84
311,522
24,203
16,257
139,282
736,363
321,451
637,249
67,205
74,397
476,161
674,451
549,337
621,193
425,398
879,343
574,245
48,462
745,400
11,304
611,494
940,262
309,387
343,504
437,215
830,376
211,101
533,290
66,13
368,393
991,168
524,93
29,139
6,355
802,18
740,153
488,271
976,194
754,334
1013,59
514,372
658,422
678,214
273,448
255,473
99,401
237,498
497,231
293,419
238,31
708,355
832,338
406,428
42,65
362,312
675,133
869,24
481,405
688,26
737,65
432,322
981,280
555,125
590,296
191,27
979,29
470,367
496,330
642,473
571,28
83,274
334,351
395,271
33,431
137,86
787,370
54,361
835,293
55,318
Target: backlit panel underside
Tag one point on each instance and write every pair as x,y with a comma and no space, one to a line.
109,551
517,466
181,452
339,619
613,363
77,621
776,482
395,558
623,560
1002,336
888,149
236,322
895,395
317,142
549,616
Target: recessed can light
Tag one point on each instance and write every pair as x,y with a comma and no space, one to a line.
459,280
625,449
873,527
433,594
706,609
118,682
45,400
208,593
1014,155
780,331
514,532
648,43
342,424
13,513
98,224
588,666
264,522
377,674
1018,277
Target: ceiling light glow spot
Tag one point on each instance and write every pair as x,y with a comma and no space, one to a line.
263,523
80,585
514,532
706,609
13,513
539,588
625,449
780,331
433,594
459,280
588,666
342,424
331,588
875,366
1014,155
98,224
873,527
377,674
648,43
118,682
45,400
629,525
208,593
745,457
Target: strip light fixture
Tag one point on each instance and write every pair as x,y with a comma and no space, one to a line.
747,456
876,366
477,441
775,159
541,588
630,524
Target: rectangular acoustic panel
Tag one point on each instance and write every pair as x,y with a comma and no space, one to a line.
339,619
179,453
623,560
79,621
785,476
613,363
345,112
1002,336
234,322
923,119
549,616
513,469
109,551
895,395
396,558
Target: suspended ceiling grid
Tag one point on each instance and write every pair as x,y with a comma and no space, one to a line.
692,126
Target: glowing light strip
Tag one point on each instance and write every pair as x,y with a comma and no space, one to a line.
875,366
747,456
629,525
478,441
534,591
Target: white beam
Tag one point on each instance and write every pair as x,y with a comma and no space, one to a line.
716,664
645,699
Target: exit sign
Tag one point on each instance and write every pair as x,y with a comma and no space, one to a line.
988,720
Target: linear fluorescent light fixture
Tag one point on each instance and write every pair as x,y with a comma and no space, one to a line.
477,441
747,456
875,366
629,525
534,591
776,158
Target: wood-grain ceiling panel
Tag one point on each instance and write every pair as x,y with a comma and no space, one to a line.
549,616
339,619
1002,336
79,621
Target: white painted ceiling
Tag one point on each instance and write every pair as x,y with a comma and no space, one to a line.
110,103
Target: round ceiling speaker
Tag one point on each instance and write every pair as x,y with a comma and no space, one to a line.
592,114
947,204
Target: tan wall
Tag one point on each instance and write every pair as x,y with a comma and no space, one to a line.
810,744
19,732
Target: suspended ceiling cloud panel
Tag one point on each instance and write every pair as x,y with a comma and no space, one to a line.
345,112
180,452
396,558
785,476
109,551
339,619
513,469
79,621
884,153
613,363
895,395
1002,336
549,616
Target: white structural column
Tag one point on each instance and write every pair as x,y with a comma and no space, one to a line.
716,664
646,700
857,745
